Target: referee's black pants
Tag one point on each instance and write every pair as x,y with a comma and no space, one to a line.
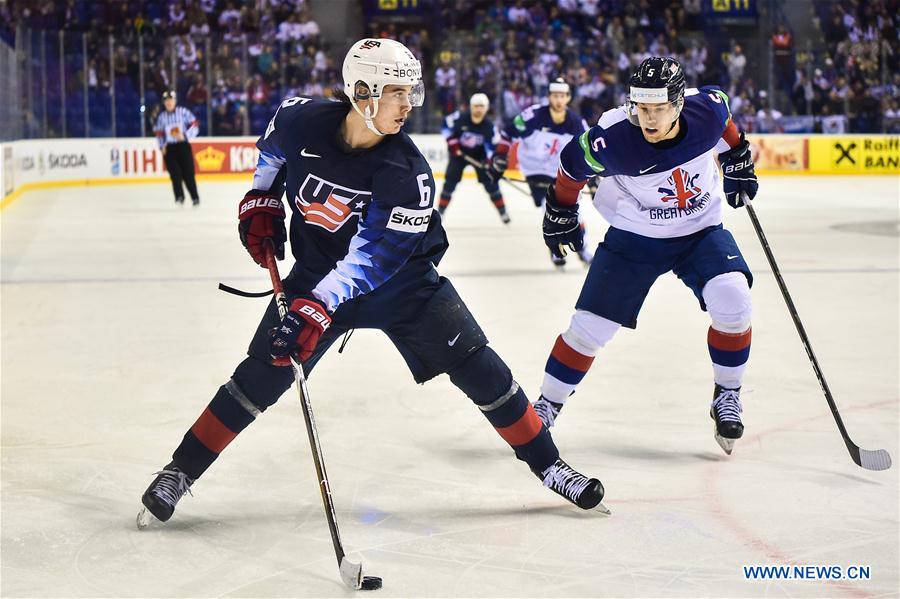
180,163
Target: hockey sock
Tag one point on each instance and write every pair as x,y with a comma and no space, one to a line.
227,414
729,353
488,382
573,353
564,370
497,199
515,420
443,202
255,386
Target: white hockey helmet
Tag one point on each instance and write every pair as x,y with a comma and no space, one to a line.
372,64
479,99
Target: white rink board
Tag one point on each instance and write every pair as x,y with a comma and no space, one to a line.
114,339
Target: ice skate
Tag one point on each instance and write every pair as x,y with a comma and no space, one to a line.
504,216
586,493
558,261
547,410
586,257
163,494
726,412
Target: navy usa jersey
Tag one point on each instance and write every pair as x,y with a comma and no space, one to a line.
475,140
666,189
357,215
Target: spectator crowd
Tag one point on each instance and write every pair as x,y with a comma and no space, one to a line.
239,58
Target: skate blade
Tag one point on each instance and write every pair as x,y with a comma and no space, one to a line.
144,518
726,444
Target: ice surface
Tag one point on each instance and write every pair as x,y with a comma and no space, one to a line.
114,338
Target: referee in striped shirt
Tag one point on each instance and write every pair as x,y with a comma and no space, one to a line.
174,127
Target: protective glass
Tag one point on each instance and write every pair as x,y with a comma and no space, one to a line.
400,95
658,115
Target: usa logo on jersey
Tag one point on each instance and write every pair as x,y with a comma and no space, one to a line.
329,205
683,189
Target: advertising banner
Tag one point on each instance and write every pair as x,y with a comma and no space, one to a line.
779,152
855,154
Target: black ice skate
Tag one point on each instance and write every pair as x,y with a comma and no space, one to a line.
547,410
726,411
562,479
558,261
163,494
586,257
504,216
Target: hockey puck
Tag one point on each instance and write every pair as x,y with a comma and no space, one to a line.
370,583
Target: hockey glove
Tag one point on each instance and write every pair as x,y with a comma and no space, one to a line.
561,226
496,166
261,218
299,331
737,170
453,148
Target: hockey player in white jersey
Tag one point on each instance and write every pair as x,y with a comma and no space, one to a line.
662,195
542,133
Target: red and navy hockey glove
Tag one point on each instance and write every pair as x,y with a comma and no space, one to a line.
561,226
261,218
453,147
738,174
299,331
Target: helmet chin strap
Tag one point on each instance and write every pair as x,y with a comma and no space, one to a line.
369,115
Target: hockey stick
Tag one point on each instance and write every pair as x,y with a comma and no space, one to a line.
879,459
351,573
482,166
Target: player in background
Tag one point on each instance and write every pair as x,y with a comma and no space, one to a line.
470,134
174,127
542,133
662,196
366,240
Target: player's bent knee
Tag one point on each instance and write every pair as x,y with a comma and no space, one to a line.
261,383
587,332
483,377
728,302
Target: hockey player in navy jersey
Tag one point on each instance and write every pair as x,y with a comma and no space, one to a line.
470,137
542,133
366,240
662,196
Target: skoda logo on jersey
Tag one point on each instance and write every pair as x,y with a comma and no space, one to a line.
683,189
328,205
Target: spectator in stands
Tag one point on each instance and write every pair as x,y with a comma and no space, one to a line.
767,117
783,57
736,64
197,94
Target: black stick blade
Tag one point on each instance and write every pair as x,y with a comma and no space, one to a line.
874,460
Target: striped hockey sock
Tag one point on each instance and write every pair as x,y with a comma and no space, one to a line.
516,421
227,414
564,370
729,353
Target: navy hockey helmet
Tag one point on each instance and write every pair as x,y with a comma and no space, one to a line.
658,80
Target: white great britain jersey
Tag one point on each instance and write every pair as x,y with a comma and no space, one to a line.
541,140
668,189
